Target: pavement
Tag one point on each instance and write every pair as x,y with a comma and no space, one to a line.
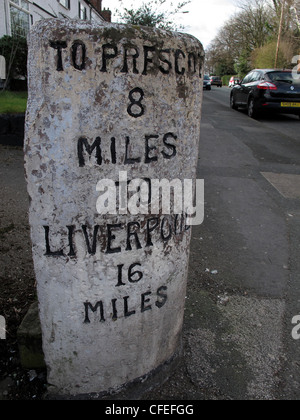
244,272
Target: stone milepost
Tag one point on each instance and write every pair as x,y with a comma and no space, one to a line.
111,288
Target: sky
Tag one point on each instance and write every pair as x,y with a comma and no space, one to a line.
204,19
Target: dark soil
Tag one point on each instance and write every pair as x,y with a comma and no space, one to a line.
17,283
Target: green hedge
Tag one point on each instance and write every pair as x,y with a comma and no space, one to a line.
225,80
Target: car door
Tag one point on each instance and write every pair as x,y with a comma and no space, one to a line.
247,85
240,90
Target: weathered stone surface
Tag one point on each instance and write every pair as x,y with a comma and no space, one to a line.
105,99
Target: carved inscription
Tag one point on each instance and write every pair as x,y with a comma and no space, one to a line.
136,96
107,238
145,61
139,235
148,302
153,148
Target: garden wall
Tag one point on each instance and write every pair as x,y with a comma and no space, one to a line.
12,129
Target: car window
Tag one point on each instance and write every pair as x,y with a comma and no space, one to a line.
248,78
256,76
282,76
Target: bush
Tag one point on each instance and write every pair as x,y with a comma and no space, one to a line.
225,80
264,57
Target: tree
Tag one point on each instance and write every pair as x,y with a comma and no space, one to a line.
239,36
295,7
249,39
157,13
14,49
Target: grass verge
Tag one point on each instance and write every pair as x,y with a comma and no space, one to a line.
13,102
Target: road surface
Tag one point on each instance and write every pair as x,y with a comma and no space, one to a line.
238,324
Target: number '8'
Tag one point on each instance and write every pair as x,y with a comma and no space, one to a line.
136,109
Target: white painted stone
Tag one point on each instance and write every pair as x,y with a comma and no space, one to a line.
89,351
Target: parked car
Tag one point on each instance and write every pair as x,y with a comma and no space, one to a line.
267,90
234,81
216,81
206,83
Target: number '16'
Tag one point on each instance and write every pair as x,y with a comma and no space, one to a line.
134,275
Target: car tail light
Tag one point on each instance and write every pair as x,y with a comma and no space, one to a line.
267,86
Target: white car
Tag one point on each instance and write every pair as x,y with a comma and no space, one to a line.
234,81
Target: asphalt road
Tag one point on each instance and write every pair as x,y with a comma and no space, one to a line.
244,276
242,317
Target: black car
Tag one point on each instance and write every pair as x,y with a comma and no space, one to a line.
216,81
268,90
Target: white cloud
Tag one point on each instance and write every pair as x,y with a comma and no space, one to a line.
207,17
204,19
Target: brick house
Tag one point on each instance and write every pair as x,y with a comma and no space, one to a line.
17,16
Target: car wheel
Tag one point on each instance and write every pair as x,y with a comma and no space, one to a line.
252,111
232,103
